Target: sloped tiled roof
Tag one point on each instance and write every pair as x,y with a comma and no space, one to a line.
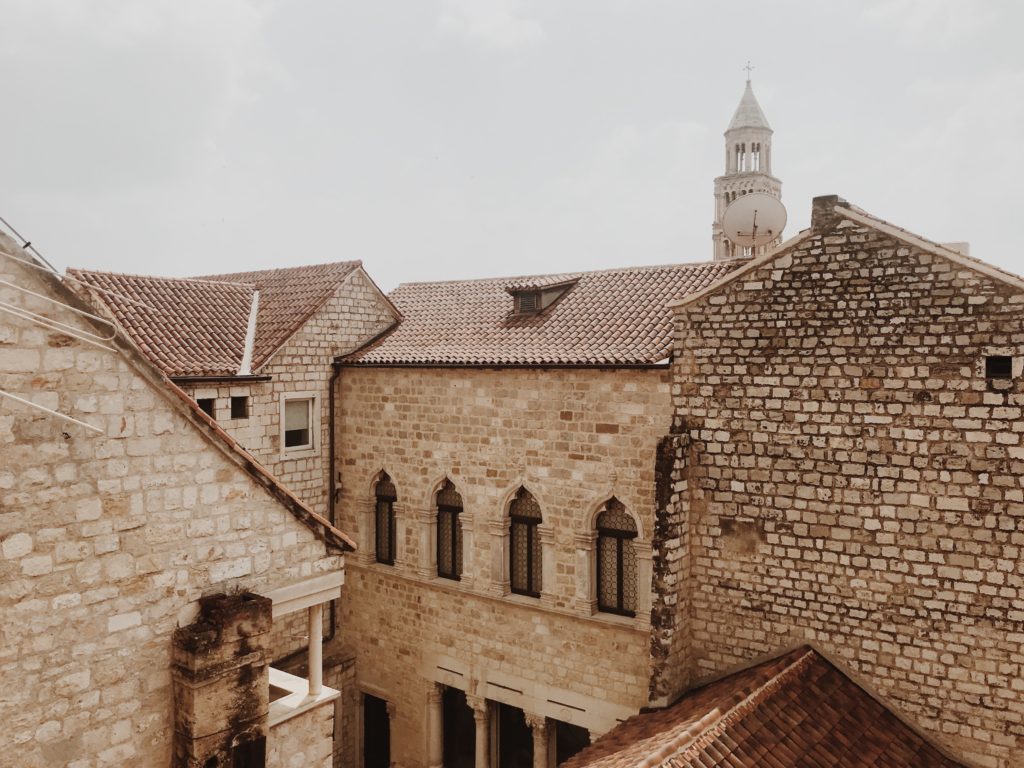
611,317
288,297
186,327
197,326
795,710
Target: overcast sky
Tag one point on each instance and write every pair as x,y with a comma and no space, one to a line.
440,139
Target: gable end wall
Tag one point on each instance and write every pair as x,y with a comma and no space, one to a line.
856,481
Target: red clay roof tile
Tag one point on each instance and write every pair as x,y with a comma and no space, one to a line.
611,317
197,326
795,710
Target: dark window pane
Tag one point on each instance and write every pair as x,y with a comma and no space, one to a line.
607,573
239,407
616,560
206,406
999,367
296,437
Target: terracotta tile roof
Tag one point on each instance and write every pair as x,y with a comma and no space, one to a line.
187,327
288,297
795,710
611,317
197,326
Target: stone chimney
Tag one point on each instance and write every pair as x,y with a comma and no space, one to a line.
221,684
823,213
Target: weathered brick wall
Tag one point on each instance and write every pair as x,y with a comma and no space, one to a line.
107,541
352,316
574,438
857,482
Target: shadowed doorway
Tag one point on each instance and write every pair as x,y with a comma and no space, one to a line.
513,737
459,730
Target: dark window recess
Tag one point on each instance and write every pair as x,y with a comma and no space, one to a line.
524,544
251,754
999,367
616,560
240,407
569,739
376,733
206,405
515,741
459,732
449,532
384,520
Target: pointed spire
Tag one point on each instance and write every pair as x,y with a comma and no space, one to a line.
748,114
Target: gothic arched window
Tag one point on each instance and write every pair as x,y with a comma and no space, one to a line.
384,520
524,544
449,532
616,560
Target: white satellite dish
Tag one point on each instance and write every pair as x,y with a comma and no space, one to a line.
754,219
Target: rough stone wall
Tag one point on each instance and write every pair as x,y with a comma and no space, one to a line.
860,482
107,543
670,616
574,438
303,741
346,321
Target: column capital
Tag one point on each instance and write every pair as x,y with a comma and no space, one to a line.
434,694
537,722
478,704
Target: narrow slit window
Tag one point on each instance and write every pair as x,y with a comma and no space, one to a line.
525,565
449,532
240,407
206,405
297,420
998,367
384,520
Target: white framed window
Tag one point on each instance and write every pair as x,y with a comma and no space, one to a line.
300,424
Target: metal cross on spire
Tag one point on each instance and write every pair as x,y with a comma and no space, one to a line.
749,69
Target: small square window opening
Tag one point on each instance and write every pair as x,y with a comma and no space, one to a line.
206,405
998,367
297,420
240,407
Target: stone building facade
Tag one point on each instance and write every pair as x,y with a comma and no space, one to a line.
568,401
293,322
852,411
114,529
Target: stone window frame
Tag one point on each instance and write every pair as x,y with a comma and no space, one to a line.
586,603
500,530
301,452
366,554
426,529
622,538
457,533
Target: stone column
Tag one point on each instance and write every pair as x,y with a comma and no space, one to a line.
316,649
435,727
539,725
481,716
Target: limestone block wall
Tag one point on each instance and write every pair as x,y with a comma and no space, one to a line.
856,480
303,741
108,541
352,316
573,438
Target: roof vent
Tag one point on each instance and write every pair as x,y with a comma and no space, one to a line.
527,302
537,294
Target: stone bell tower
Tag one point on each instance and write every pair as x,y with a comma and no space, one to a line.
748,168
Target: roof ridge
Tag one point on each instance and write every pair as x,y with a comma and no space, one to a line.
572,275
351,263
78,271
